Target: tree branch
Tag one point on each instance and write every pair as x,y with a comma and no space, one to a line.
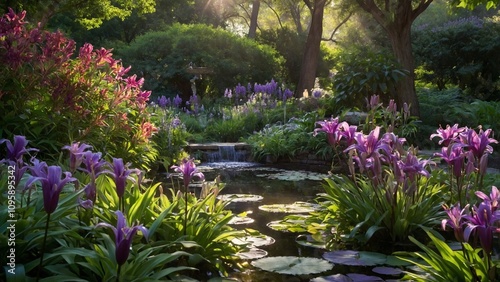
337,28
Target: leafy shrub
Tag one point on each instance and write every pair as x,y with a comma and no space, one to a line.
54,99
362,73
461,52
164,57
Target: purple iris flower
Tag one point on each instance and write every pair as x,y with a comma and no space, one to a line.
483,223
120,174
16,151
76,154
123,236
317,93
94,164
52,185
448,135
240,91
287,94
188,170
455,220
333,129
177,101
163,102
479,144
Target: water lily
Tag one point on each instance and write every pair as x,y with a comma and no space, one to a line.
123,236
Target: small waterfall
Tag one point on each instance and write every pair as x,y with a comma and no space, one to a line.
226,153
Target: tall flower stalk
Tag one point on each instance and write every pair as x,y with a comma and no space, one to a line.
52,185
188,170
123,238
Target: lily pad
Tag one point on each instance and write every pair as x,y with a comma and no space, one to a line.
293,265
348,257
297,207
387,270
295,175
310,241
252,253
240,198
352,277
241,220
254,241
292,223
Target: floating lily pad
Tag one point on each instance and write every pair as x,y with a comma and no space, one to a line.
292,223
311,241
387,270
348,257
293,265
240,198
295,175
241,220
254,241
297,207
352,277
252,253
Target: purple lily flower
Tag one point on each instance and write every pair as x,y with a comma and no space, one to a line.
483,223
455,220
479,144
52,185
448,135
349,134
453,156
76,151
412,166
493,199
368,155
16,151
188,170
333,129
373,103
120,175
123,236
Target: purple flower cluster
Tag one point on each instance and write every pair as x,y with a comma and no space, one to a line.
371,152
464,149
481,221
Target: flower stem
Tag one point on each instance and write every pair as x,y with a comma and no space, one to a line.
43,247
118,273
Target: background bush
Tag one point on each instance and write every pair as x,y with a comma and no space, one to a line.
163,58
462,52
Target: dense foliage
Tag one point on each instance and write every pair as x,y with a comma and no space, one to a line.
165,57
461,52
54,96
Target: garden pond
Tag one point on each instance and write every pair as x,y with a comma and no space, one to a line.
265,195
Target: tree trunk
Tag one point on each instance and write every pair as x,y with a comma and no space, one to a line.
311,53
253,19
400,38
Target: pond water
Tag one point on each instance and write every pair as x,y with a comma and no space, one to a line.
276,186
